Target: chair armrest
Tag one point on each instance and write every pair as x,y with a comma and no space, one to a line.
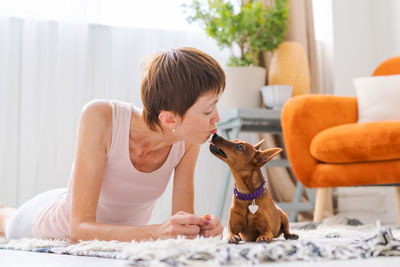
305,116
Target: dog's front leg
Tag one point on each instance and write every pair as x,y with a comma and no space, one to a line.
265,231
285,226
265,237
235,227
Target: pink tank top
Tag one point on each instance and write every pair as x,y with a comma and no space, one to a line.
127,195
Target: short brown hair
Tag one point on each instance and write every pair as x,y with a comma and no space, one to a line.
174,80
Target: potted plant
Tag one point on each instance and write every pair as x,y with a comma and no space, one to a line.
248,29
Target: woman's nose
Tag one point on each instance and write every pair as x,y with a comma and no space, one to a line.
216,117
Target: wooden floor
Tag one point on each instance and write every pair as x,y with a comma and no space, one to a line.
10,258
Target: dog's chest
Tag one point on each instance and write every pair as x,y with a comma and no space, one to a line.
253,220
263,218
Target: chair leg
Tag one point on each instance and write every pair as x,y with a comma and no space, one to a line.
398,204
321,198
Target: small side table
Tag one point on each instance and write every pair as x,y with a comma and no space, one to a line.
259,120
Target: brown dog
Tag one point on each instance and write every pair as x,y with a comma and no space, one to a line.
253,214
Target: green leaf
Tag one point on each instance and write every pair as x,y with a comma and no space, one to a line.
252,27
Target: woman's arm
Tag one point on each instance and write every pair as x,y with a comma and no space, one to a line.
183,191
93,142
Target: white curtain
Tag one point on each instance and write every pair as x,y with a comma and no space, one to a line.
48,71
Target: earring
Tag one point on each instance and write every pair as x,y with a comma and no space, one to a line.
173,130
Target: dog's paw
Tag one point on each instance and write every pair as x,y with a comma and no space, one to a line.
291,236
234,239
265,238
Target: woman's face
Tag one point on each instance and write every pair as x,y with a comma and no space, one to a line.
199,121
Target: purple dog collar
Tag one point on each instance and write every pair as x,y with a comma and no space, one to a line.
249,196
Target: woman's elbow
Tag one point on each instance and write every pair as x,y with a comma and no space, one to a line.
74,234
78,233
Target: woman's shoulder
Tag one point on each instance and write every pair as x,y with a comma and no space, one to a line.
105,106
96,121
97,113
97,108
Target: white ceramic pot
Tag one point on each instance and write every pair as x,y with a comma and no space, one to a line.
242,88
276,95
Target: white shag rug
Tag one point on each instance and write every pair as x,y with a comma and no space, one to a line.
334,238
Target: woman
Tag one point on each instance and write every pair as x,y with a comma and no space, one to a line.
125,156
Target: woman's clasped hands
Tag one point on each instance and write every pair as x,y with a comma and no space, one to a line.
190,226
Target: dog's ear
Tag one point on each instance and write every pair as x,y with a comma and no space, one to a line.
262,157
258,145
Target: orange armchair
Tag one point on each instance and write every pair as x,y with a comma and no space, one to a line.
328,148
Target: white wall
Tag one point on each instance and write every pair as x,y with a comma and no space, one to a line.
323,30
386,29
366,32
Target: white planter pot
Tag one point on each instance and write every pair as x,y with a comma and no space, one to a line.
242,88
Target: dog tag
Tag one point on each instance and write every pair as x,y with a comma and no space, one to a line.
253,207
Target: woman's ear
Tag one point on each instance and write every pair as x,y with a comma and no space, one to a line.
168,119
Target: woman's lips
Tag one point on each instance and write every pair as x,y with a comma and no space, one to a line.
214,131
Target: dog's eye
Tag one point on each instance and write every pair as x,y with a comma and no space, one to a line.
239,147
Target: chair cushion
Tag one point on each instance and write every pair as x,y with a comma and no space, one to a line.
378,98
357,142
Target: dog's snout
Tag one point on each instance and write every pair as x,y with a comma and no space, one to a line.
215,138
